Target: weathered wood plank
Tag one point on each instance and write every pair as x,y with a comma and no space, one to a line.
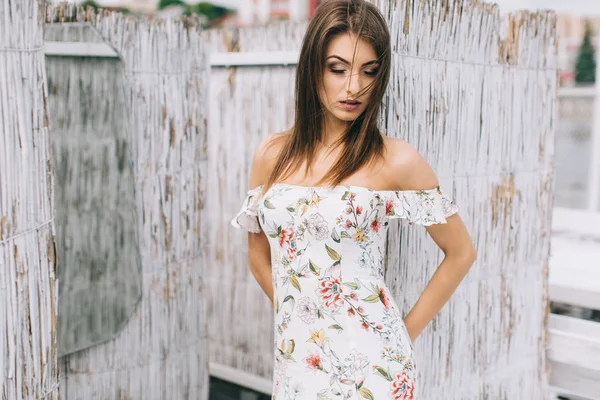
574,353
162,352
28,284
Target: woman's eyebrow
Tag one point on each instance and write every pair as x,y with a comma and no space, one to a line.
345,61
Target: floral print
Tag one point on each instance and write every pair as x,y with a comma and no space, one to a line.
338,332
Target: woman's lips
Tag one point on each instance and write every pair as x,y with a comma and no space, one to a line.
349,105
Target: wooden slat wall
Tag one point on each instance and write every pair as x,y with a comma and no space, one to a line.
28,285
247,103
475,93
162,352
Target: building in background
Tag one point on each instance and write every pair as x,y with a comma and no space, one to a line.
253,12
570,36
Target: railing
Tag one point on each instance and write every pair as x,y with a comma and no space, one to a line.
574,279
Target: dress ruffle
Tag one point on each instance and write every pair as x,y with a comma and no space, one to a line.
423,207
247,217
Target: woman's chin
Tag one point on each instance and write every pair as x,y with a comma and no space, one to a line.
347,116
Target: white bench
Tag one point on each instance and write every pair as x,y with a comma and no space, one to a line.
574,279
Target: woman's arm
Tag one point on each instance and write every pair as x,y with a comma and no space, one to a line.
259,261
412,173
459,255
259,249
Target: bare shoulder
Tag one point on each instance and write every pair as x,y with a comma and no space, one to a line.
407,168
265,156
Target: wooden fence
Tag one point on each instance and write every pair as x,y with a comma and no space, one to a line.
476,94
161,353
28,286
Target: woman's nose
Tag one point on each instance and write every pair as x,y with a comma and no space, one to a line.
353,84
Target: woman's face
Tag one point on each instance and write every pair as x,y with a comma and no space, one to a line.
345,75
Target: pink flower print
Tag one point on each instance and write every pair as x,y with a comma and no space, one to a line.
384,298
389,207
402,387
359,210
291,252
349,210
285,236
351,312
365,326
375,225
330,290
313,362
285,240
348,224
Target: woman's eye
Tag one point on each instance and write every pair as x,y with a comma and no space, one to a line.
372,72
337,71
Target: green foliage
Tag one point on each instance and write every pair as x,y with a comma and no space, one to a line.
167,3
210,10
585,67
90,3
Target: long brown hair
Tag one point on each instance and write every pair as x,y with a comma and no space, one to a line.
362,142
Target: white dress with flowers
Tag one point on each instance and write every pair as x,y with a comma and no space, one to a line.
338,333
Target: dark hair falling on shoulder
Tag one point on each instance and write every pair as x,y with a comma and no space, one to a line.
362,142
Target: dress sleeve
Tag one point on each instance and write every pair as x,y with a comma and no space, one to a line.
423,207
247,217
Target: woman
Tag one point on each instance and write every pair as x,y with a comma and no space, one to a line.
318,251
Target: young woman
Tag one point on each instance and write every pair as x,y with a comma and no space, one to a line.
318,250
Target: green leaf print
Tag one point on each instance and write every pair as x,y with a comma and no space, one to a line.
382,372
313,267
345,235
366,393
332,253
336,327
295,283
372,298
290,298
352,285
335,236
268,204
290,209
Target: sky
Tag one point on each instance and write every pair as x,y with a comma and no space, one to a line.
577,7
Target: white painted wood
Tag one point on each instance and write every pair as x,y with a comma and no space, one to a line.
162,352
258,58
575,342
241,378
79,49
28,263
574,272
574,353
577,91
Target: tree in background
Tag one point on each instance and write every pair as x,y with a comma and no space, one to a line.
162,4
585,68
211,11
91,3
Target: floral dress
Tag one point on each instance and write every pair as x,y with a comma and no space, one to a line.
338,333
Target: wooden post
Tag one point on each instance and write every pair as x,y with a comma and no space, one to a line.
28,287
161,353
